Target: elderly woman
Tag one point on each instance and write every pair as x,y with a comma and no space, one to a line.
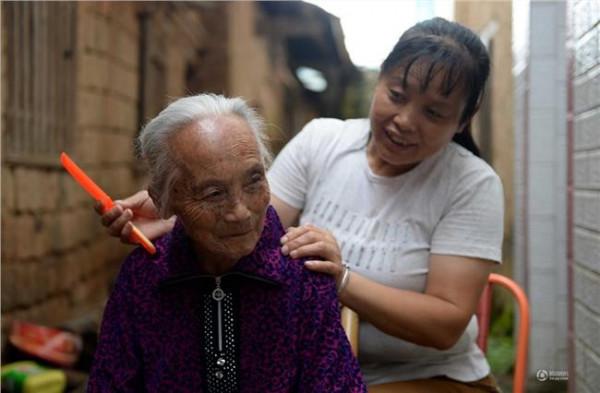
218,308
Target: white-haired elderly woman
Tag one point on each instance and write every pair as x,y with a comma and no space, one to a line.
218,308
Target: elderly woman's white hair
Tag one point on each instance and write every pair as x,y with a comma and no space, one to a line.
153,146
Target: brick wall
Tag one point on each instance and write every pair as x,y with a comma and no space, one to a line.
129,59
585,17
253,73
57,261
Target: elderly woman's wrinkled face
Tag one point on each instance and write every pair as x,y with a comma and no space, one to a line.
221,193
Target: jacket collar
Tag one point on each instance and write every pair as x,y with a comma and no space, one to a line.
265,264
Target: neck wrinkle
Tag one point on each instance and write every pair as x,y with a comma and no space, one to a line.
213,264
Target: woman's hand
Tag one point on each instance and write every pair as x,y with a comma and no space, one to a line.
139,210
310,241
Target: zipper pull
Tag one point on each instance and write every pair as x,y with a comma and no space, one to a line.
218,295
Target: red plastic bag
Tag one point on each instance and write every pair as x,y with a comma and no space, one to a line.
55,346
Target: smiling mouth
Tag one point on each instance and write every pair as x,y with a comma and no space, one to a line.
236,235
397,140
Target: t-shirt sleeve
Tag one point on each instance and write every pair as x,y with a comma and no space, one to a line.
473,223
289,176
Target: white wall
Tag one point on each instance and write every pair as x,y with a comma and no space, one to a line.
541,176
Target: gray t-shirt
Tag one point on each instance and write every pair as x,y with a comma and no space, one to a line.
387,227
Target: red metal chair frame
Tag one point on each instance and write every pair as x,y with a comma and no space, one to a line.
351,325
483,320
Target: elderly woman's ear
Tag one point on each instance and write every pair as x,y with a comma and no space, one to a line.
157,201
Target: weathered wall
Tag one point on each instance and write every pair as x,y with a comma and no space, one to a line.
57,261
492,128
119,64
254,73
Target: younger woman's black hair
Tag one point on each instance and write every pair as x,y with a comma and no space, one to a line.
438,45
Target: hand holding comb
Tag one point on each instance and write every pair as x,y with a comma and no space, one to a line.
98,194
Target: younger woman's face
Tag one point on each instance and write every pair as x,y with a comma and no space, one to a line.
409,124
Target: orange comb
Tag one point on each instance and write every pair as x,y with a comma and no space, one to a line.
96,192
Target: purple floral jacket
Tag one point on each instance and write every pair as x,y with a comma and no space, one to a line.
269,325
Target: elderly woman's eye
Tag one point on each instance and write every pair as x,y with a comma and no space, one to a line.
257,177
213,195
255,181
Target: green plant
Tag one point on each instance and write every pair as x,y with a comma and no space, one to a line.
501,348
